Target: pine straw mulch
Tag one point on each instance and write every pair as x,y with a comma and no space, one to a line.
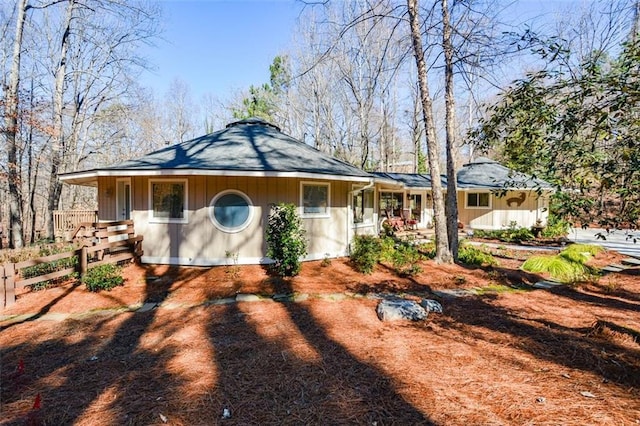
567,356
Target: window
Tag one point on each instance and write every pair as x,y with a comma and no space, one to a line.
362,205
478,200
168,201
391,204
231,211
315,199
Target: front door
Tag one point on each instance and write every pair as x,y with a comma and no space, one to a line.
123,199
415,204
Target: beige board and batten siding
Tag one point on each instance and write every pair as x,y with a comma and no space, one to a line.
200,242
107,199
501,215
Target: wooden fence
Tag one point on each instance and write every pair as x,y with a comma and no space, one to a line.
99,243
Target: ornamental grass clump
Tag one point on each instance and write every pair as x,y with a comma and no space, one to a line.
568,266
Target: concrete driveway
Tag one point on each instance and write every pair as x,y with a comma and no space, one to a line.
620,241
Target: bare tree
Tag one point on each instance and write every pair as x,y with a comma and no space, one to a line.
10,130
443,252
58,139
451,133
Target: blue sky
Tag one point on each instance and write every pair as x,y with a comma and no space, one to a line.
219,46
223,46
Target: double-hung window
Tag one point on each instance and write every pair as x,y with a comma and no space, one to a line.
168,201
362,205
314,199
478,200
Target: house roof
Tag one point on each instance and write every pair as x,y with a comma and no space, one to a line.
250,147
484,173
409,180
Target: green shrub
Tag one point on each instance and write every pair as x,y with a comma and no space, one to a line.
405,259
471,255
47,267
286,243
509,235
387,249
103,277
365,253
428,250
555,228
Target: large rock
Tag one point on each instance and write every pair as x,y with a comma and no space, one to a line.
431,305
400,310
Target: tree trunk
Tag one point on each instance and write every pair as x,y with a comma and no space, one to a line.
58,142
452,143
443,253
11,128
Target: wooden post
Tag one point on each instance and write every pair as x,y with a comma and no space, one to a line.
9,278
83,261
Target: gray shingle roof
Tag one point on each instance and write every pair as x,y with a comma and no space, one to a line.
245,146
484,173
410,180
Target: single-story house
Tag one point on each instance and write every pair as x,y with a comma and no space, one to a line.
202,201
492,196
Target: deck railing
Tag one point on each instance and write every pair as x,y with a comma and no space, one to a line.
66,221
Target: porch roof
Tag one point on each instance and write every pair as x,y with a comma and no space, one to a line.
409,180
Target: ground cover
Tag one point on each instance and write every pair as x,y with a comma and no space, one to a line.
508,354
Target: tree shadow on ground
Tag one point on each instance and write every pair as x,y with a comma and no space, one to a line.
573,348
45,309
117,366
299,375
594,299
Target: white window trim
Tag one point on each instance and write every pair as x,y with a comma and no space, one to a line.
118,206
226,228
315,215
153,219
359,188
391,191
466,201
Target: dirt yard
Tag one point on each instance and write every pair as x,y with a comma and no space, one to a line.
508,355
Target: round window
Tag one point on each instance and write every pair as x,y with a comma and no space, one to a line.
231,211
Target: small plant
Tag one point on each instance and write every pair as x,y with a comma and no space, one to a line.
387,248
509,235
366,252
286,243
326,261
232,269
428,250
555,228
470,255
405,259
103,277
459,279
610,285
387,230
